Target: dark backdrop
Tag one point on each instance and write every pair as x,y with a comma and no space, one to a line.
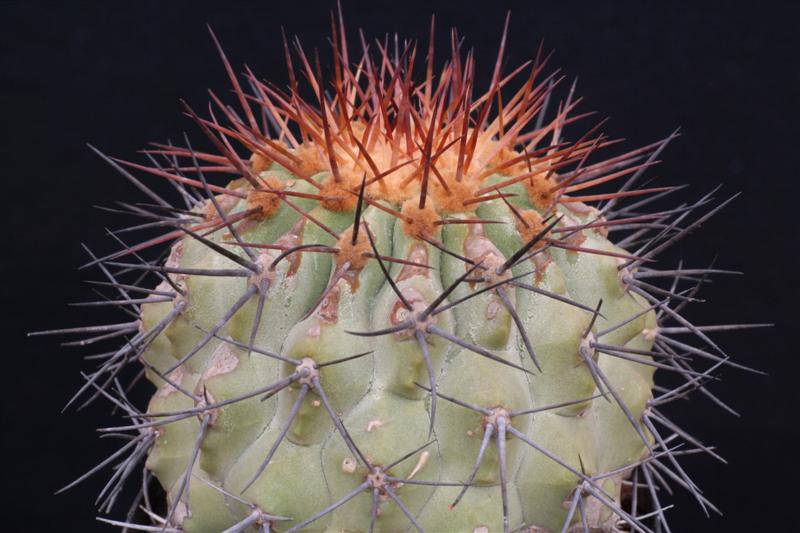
76,72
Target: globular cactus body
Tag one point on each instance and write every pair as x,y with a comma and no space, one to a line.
315,310
402,314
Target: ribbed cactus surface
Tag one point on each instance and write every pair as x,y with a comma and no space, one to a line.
472,378
401,308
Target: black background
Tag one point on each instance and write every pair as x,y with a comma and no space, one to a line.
78,72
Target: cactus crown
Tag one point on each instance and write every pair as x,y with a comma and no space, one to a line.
400,313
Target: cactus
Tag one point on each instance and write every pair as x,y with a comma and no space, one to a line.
400,313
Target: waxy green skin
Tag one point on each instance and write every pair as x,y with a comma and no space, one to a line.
381,397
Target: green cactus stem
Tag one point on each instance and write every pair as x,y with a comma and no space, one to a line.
406,308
